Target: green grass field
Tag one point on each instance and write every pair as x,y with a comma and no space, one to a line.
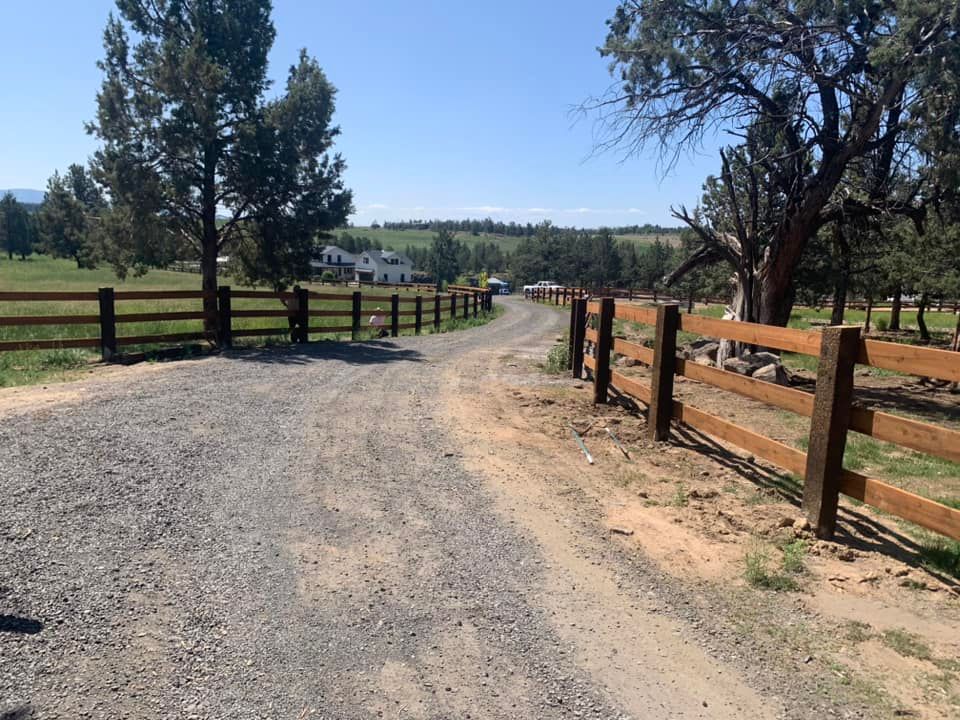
401,239
40,273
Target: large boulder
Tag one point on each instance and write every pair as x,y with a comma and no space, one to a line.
772,373
741,367
704,352
760,359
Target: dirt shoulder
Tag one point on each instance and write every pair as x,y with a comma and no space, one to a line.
648,555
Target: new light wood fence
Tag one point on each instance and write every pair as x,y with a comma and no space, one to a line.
295,307
831,409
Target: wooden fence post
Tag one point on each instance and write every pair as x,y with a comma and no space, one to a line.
601,376
357,301
466,306
419,314
453,305
664,365
579,335
108,324
828,426
224,318
436,312
394,315
475,298
302,327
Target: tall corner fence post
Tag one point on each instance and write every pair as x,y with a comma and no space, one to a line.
579,335
571,335
436,312
394,315
601,376
355,317
664,366
303,315
418,316
108,324
828,426
224,318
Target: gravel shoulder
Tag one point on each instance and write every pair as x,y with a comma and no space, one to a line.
327,533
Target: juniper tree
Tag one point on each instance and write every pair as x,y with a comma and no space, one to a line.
830,83
191,141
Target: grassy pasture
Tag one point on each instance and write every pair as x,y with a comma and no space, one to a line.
40,273
400,239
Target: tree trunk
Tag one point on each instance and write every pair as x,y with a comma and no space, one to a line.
921,323
842,251
955,345
866,324
839,299
777,295
211,238
895,309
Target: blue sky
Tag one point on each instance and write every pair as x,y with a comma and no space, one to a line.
447,109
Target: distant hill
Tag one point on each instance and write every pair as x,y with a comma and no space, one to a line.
25,195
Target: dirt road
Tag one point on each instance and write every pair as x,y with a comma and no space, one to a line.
314,533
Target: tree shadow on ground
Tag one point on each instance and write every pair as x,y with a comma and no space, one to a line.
855,529
24,712
370,352
936,404
19,625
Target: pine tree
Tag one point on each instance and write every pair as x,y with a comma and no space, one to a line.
188,135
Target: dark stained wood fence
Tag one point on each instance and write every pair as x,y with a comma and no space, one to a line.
830,407
294,307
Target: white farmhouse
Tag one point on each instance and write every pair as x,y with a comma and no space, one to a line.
383,266
336,260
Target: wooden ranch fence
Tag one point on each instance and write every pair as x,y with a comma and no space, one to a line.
565,295
830,407
219,325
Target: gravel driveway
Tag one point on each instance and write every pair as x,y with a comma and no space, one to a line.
284,533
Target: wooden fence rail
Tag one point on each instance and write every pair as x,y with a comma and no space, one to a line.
831,407
219,327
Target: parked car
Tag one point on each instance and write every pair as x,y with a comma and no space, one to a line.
528,289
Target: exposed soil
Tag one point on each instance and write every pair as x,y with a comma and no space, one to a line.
405,529
696,507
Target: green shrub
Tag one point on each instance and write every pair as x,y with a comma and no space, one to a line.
882,324
558,358
794,555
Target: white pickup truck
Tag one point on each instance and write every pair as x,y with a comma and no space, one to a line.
528,289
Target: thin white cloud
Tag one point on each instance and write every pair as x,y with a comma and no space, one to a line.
489,209
539,210
636,211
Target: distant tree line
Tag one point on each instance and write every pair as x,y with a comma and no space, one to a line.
498,227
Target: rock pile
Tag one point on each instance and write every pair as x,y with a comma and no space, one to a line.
764,366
